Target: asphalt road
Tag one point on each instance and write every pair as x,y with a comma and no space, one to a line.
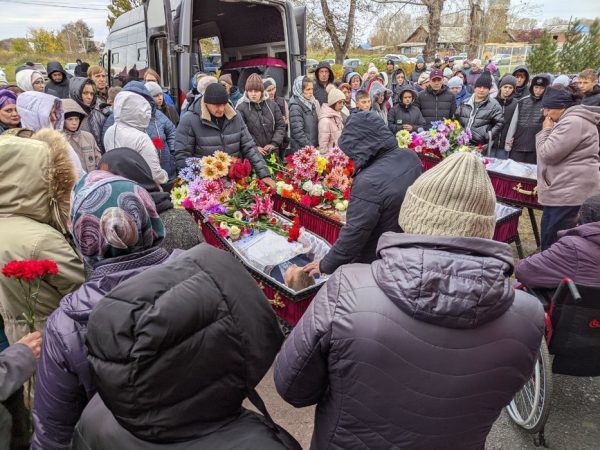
574,422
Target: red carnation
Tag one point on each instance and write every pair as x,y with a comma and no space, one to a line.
158,143
306,200
240,170
330,196
294,232
347,194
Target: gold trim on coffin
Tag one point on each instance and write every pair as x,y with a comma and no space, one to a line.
519,188
276,301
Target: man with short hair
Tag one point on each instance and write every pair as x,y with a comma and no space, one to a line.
436,102
588,85
508,104
58,85
325,77
389,70
521,74
363,101
98,75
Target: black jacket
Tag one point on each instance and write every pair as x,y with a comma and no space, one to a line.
592,98
320,90
482,119
400,115
264,121
198,136
508,108
96,113
175,351
415,74
60,90
396,88
304,125
436,105
383,174
522,91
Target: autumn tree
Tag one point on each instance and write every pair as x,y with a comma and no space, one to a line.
20,45
45,41
118,7
78,37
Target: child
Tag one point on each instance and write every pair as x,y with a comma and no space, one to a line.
363,101
405,115
379,96
83,142
112,93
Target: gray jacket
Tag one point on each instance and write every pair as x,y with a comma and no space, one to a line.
485,119
304,125
420,349
17,364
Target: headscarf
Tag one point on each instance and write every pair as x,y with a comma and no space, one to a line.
26,78
298,93
112,216
7,98
35,107
128,163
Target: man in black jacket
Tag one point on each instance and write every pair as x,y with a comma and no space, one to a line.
58,85
521,74
325,77
211,125
436,102
383,174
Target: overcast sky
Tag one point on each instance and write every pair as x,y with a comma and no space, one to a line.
17,18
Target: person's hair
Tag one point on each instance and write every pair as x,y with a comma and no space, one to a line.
14,89
344,86
588,74
300,280
305,82
362,94
153,73
95,70
112,93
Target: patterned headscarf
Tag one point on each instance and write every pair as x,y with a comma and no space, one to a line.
7,98
112,216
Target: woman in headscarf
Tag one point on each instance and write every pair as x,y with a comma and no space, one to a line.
304,115
9,116
116,228
84,92
30,80
181,231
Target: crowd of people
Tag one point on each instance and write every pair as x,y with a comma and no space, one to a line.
149,337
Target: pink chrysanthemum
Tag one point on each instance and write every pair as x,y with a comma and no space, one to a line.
305,162
336,157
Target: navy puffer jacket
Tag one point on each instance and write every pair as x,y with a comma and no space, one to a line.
436,105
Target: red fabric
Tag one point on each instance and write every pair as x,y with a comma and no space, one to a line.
254,62
503,186
292,311
507,231
427,161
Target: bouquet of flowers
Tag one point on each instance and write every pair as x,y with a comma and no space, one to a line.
442,139
221,188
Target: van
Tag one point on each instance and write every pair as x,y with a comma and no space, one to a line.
177,38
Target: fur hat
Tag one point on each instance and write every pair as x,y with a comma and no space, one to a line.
254,83
215,94
455,198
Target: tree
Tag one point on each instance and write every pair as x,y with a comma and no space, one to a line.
78,37
340,30
572,52
543,58
118,7
20,45
476,19
590,54
45,41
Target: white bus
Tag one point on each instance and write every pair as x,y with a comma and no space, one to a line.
254,36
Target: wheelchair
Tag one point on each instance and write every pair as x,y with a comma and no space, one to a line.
573,338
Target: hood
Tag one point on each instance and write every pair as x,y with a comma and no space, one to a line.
71,106
524,69
365,136
165,324
76,86
321,65
35,107
25,77
55,66
406,88
377,88
452,282
140,88
588,113
589,231
543,76
132,110
327,111
244,98
38,177
351,74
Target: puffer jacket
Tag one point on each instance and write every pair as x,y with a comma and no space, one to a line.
436,105
132,116
320,90
592,98
330,128
400,115
82,142
36,175
304,125
264,121
383,174
568,167
509,106
420,350
96,113
159,127
522,91
575,255
64,383
60,90
485,120
462,96
198,136
175,371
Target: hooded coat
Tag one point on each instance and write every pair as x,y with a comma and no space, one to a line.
436,105
462,96
330,128
197,136
96,112
172,371
35,108
304,119
398,88
375,91
24,79
522,91
400,114
349,78
264,121
568,167
416,73
320,90
81,141
60,90
132,114
485,119
35,196
383,173
592,98
422,349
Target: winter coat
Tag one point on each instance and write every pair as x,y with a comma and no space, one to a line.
169,111
197,136
568,167
400,114
472,77
592,98
234,96
509,107
96,113
264,121
60,90
201,359
462,96
436,105
375,91
82,142
383,174
330,128
522,91
17,365
484,119
304,124
575,255
34,207
64,382
422,349
132,115
159,127
320,92
416,73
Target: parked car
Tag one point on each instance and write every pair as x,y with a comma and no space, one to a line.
41,69
331,61
462,55
311,65
70,68
398,59
351,64
211,63
502,59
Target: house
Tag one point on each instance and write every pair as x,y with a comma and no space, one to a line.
450,40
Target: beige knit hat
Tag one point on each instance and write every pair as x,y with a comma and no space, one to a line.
335,95
455,198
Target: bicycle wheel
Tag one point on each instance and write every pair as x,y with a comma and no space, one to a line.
530,407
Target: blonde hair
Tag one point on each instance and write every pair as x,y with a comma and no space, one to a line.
95,70
152,72
300,280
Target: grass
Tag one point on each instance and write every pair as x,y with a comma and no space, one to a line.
9,61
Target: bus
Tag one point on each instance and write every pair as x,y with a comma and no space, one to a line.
252,36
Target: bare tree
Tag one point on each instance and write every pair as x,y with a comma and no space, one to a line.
336,28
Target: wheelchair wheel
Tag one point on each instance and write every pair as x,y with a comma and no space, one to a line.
530,407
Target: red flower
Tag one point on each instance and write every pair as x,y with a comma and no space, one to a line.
349,170
223,232
306,200
294,232
240,170
158,143
279,176
314,200
330,196
347,194
30,270
187,203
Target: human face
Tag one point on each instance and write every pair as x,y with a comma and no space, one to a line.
554,114
364,104
506,91
87,95
323,75
38,85
308,91
355,82
72,123
586,85
216,110
348,95
372,75
407,98
339,105
227,87
254,96
159,99
420,66
9,116
380,99
100,80
390,68
481,93
400,78
57,77
474,67
521,78
455,90
272,90
149,77
437,83
538,91
461,76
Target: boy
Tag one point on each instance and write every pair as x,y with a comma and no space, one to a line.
405,115
82,142
363,101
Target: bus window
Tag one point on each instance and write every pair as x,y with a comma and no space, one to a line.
161,55
141,54
115,58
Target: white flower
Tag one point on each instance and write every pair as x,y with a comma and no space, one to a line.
317,190
307,186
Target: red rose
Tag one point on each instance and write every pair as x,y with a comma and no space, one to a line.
329,196
314,200
240,170
306,200
158,143
347,194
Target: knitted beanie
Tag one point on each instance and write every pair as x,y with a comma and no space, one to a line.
508,79
590,210
254,83
455,198
334,96
447,72
215,94
455,82
226,79
154,88
484,80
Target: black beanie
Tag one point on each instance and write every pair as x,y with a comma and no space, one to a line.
590,210
556,98
215,94
484,80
